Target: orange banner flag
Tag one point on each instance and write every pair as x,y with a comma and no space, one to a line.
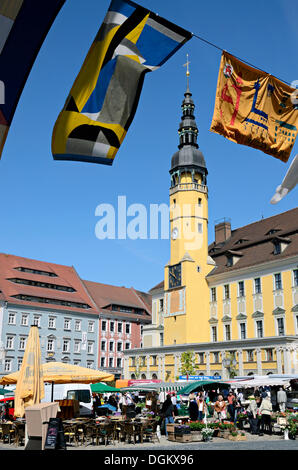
254,108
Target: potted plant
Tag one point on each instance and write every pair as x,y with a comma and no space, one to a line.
207,434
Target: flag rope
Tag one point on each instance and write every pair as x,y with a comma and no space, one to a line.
242,60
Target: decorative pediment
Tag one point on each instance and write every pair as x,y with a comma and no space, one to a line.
295,308
226,318
258,314
213,320
187,257
241,316
278,311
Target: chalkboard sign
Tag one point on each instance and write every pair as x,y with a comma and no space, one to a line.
55,439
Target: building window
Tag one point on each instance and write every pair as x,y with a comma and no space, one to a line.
22,344
112,327
161,305
119,327
10,342
52,322
111,346
226,291
260,332
161,339
280,327
78,325
277,248
77,346
91,326
241,291
269,354
50,345
213,294
214,333
199,201
258,287
154,360
119,347
66,323
119,362
295,276
103,345
90,364
127,346
102,362
200,228
20,360
103,325
7,365
242,330
66,345
111,362
201,358
11,318
36,320
90,347
77,362
228,332
24,319
277,280
127,328
250,355
216,357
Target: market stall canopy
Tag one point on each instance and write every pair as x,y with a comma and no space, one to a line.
61,373
103,388
4,391
193,386
252,383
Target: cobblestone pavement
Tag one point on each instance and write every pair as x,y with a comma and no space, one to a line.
266,442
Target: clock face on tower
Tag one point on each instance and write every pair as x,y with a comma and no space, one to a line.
175,275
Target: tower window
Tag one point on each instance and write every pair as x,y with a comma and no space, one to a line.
200,228
199,201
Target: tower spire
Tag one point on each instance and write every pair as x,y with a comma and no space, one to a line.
187,73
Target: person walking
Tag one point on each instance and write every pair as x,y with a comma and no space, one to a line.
265,411
282,399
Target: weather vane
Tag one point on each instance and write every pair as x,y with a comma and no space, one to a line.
187,70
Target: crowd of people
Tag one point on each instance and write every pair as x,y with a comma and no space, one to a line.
221,405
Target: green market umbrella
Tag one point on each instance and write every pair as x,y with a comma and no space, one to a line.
4,391
103,388
199,383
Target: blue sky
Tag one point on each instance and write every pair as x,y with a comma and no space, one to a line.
48,208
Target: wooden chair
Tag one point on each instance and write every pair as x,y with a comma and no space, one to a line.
138,431
19,433
8,432
106,432
70,433
149,430
90,433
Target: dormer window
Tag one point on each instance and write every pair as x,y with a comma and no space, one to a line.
280,244
277,248
233,257
273,231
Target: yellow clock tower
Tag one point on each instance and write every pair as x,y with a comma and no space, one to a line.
186,288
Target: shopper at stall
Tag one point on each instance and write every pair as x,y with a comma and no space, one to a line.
193,407
265,411
231,405
167,412
202,407
252,413
282,399
220,412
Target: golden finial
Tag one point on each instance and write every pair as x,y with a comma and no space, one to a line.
187,70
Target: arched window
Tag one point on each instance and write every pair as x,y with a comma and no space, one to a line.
133,377
143,376
154,376
250,373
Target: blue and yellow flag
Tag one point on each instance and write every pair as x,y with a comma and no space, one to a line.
24,25
254,108
103,100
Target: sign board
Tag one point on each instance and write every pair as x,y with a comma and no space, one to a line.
55,436
143,381
200,377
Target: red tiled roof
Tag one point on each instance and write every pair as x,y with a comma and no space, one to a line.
257,242
64,276
105,295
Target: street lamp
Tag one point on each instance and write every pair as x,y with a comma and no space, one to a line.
230,363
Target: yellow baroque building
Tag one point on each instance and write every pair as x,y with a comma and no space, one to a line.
234,299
